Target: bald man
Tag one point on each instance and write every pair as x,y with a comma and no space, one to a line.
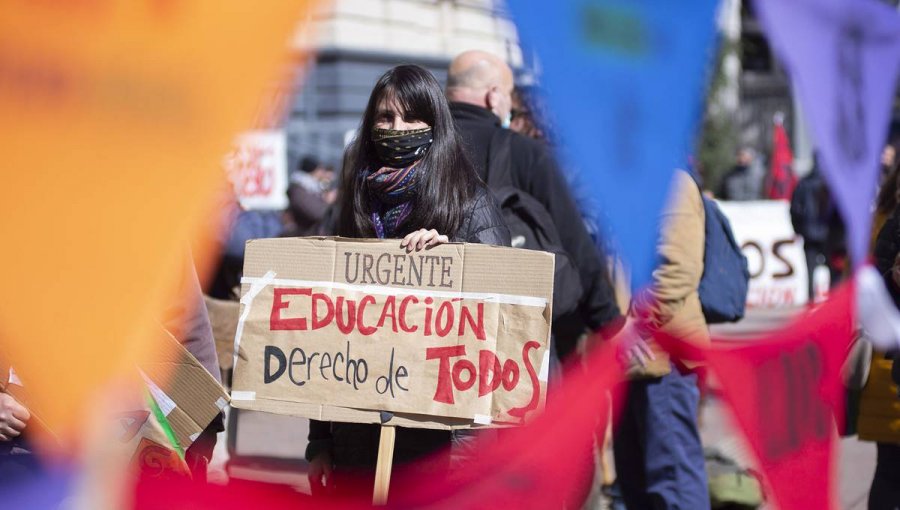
479,88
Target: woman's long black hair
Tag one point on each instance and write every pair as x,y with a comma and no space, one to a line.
447,178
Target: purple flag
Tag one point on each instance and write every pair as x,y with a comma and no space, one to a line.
843,58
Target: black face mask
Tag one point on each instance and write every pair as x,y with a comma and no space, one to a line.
400,149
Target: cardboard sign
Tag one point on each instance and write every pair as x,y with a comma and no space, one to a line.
188,396
185,392
340,329
778,272
258,169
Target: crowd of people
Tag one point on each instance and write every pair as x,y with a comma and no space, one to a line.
434,163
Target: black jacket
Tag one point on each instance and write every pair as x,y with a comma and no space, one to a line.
535,172
483,223
354,446
811,209
887,246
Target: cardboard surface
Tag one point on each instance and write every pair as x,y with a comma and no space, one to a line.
185,392
338,329
195,398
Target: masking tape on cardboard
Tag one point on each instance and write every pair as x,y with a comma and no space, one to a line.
256,286
165,403
545,366
221,403
509,299
194,436
243,395
482,419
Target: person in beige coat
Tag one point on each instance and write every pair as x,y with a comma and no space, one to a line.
659,458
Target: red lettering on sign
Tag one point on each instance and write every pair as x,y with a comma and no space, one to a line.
520,412
360,314
276,322
489,372
318,323
444,391
389,310
345,327
403,305
476,325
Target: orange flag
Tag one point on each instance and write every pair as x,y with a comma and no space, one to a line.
116,115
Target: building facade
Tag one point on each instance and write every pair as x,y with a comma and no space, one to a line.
354,41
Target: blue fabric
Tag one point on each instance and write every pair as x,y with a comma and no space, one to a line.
27,482
659,457
726,276
252,225
625,80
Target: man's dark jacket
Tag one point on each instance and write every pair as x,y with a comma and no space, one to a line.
534,171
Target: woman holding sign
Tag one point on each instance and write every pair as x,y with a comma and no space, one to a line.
406,177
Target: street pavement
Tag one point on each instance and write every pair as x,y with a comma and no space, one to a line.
270,448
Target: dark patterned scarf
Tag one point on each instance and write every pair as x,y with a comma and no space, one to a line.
392,193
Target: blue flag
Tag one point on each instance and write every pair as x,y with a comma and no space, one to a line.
625,80
843,57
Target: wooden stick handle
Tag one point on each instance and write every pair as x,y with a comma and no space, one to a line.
384,466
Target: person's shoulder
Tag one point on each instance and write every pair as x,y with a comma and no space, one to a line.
684,178
523,144
481,197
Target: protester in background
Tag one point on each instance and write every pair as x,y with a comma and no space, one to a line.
888,160
407,178
879,417
523,117
743,181
781,180
479,87
310,194
246,225
658,454
812,215
888,195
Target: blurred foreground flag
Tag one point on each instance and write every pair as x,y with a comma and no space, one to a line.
786,393
116,114
625,79
843,57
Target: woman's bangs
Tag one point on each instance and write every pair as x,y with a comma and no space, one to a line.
412,100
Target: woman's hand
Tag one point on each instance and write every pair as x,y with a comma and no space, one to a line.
13,416
421,239
319,472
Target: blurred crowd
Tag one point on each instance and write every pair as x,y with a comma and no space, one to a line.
474,160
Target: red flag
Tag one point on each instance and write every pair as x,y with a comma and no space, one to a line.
781,181
545,464
785,392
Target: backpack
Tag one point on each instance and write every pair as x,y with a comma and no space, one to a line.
726,276
731,486
530,225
